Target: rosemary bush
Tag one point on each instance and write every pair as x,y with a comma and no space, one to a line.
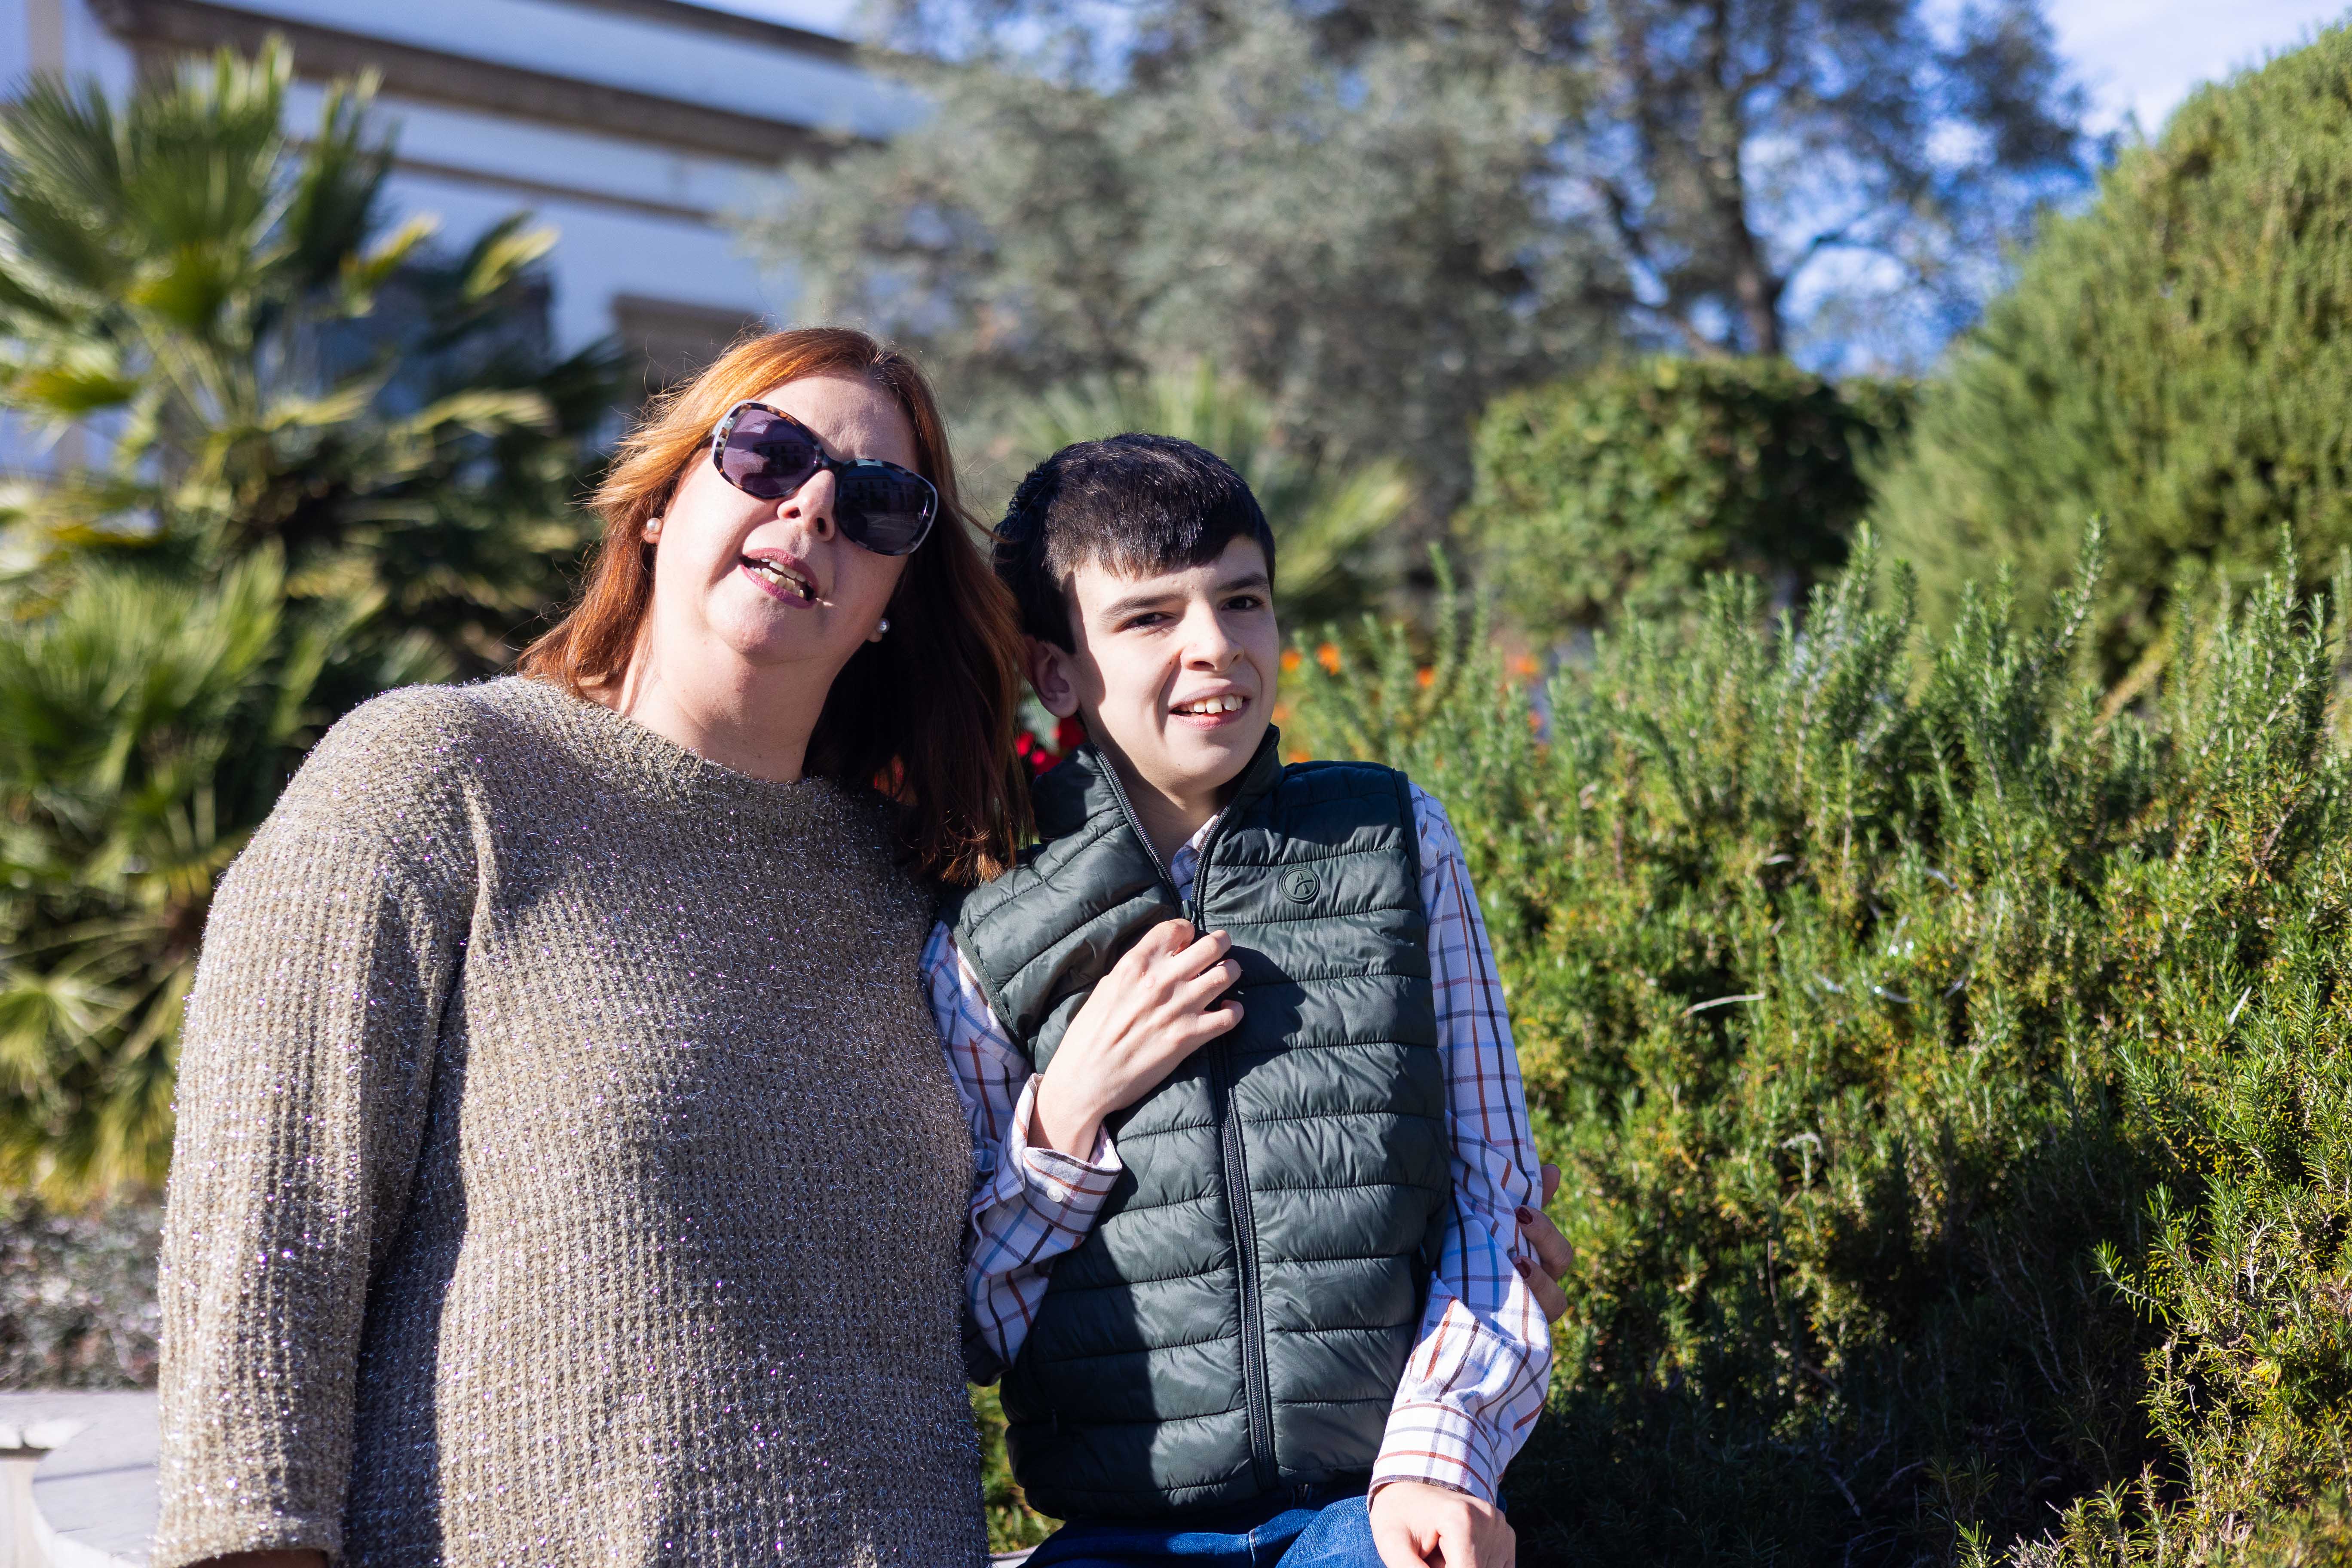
1946,1061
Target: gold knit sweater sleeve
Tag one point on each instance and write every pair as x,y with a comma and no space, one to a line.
305,1068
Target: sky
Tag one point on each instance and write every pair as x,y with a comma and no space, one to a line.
2144,56
2135,56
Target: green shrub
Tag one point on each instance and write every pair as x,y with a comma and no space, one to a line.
77,1307
1011,1522
2175,359
1948,1073
1620,491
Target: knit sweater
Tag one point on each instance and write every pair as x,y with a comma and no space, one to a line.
508,1220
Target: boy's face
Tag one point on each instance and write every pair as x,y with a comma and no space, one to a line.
1173,673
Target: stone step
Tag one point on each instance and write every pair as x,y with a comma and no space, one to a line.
80,1479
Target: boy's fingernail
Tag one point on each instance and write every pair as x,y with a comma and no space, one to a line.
1526,1214
1522,1265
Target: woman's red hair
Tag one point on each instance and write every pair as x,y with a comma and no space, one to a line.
928,713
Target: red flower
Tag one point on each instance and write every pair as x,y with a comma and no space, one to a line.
1033,751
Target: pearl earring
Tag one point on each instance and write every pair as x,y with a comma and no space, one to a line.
882,626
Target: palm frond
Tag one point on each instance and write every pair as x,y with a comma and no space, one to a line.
1328,519
334,462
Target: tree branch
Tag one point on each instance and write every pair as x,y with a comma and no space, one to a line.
1621,218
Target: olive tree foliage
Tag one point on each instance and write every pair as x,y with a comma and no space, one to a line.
1357,225
1836,178
1383,212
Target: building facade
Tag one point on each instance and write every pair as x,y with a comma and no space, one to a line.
632,127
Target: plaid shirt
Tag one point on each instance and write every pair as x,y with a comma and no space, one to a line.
1477,1380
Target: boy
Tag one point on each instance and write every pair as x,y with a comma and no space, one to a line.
1252,1138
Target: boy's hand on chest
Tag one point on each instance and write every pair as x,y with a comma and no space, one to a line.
1157,1007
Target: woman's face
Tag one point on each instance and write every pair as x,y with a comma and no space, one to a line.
719,555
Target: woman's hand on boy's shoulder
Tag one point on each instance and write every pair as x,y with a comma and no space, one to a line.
1553,1253
1417,1524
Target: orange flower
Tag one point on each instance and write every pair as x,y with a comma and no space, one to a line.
1426,675
1297,754
1289,660
1282,712
1328,656
1525,666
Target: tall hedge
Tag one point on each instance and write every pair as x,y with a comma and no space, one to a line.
2177,358
1952,1078
1620,491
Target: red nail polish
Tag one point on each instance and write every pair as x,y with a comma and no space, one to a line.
1522,1265
1526,1214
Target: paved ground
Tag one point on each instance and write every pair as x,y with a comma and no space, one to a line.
85,1464
92,1492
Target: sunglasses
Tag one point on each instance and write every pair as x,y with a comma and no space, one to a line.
879,506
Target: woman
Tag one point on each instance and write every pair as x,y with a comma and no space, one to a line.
566,1165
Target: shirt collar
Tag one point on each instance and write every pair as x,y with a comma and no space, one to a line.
1187,858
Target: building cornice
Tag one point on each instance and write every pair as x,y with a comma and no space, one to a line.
159,31
551,191
726,24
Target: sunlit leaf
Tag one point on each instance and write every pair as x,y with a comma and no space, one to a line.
501,254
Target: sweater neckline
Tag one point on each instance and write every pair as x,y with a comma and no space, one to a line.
675,770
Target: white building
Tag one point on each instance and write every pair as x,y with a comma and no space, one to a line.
630,126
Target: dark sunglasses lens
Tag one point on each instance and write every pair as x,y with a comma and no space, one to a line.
888,511
765,456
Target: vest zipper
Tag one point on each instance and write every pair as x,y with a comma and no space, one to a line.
1255,1394
1258,1400
1135,826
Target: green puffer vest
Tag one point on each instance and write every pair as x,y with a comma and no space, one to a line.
1239,1318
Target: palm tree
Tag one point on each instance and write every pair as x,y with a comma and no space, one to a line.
181,276
1326,521
333,463
145,729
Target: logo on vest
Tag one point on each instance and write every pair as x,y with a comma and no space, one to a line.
1299,884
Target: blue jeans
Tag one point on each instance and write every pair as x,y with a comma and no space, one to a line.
1330,1528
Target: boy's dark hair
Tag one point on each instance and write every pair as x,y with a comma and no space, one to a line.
1137,504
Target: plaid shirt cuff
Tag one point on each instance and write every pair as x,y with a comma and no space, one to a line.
1063,1190
1440,1445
